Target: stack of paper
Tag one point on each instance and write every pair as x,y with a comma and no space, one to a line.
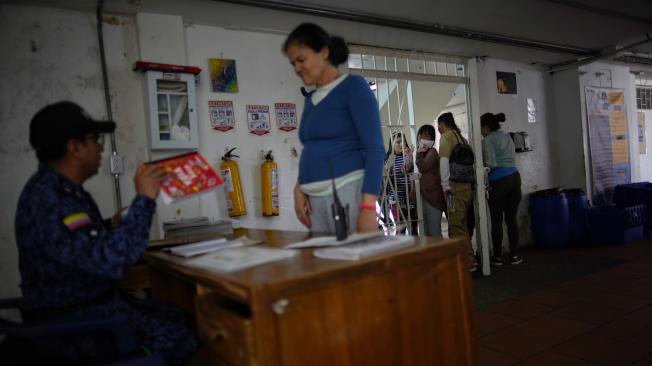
328,241
185,223
198,226
202,247
366,248
208,246
234,259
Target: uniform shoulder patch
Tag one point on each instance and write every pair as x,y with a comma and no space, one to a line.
77,220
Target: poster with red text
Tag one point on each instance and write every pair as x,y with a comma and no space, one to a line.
221,115
189,175
258,119
286,116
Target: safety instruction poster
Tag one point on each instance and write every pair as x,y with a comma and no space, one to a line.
286,116
221,115
258,119
608,140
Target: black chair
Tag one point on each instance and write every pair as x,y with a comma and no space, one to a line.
35,342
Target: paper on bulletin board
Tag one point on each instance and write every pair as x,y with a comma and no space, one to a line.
221,115
642,148
617,122
619,152
616,97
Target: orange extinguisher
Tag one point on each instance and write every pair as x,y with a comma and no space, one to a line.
231,175
269,185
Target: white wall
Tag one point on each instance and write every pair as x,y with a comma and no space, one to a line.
568,138
50,55
567,95
264,77
536,167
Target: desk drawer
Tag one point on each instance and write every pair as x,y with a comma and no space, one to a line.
225,328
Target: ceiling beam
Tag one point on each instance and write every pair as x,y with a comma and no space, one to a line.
601,11
433,28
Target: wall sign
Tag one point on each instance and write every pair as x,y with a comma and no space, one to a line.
221,115
608,141
642,148
258,119
531,111
286,116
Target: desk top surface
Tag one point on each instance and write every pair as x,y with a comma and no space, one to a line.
304,267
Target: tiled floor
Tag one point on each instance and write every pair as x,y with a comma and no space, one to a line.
604,318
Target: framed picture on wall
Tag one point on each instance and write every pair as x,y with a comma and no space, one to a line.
224,78
506,82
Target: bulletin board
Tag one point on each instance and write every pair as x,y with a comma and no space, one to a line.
608,140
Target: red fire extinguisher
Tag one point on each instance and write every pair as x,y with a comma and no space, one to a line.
269,185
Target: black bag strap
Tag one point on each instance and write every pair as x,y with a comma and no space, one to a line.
459,137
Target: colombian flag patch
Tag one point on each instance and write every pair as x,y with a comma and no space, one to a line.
76,221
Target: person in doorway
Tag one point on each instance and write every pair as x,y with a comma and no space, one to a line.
69,257
432,194
398,163
459,195
504,183
340,133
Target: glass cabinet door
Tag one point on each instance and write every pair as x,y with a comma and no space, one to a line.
172,106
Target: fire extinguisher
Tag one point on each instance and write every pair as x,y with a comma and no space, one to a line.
269,185
231,175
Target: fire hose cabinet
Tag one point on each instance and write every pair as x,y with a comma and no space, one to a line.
172,105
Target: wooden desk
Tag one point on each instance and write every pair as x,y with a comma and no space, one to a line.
411,307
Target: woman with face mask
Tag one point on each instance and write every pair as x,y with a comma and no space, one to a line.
432,195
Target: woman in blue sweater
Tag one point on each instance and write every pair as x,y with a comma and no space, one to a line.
505,184
340,133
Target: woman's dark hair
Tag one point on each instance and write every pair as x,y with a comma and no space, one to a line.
428,130
492,120
448,120
315,37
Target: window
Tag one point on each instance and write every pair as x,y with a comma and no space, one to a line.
643,97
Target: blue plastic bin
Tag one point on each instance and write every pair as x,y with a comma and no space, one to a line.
636,194
633,194
578,204
616,225
549,216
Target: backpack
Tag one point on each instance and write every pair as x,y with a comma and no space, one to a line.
461,162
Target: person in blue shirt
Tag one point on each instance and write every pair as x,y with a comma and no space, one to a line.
69,256
505,185
340,133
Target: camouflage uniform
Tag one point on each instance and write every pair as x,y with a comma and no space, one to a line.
70,258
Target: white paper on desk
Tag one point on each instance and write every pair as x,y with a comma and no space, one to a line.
329,241
366,248
234,259
209,246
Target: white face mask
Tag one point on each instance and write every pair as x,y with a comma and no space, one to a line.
426,143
